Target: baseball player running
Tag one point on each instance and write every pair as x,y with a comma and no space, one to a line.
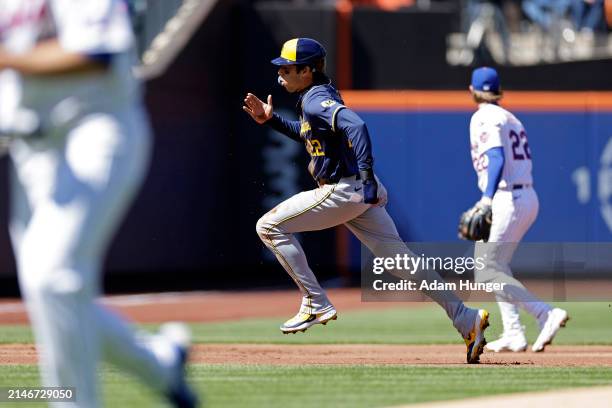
80,152
502,160
348,192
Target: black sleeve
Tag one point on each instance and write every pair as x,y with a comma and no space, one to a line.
289,128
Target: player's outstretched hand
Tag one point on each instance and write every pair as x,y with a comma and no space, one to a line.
260,111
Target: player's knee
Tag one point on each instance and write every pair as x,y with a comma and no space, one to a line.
45,274
262,227
267,227
61,284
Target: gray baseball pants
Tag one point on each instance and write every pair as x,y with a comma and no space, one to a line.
331,205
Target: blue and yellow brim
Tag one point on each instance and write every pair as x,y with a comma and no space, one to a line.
288,53
282,61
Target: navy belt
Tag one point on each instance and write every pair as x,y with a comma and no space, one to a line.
520,186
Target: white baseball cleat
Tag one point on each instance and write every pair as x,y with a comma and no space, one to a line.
556,319
302,321
513,341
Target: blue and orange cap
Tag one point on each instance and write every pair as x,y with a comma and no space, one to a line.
300,51
485,79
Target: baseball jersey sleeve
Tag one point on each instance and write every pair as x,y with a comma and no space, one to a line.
93,27
487,130
356,131
496,159
323,112
290,128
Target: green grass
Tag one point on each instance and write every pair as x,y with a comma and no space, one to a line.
352,386
591,323
17,333
334,386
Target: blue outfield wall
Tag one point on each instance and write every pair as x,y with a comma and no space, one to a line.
424,160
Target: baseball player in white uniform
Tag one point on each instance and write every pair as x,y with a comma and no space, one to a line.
502,160
348,193
80,152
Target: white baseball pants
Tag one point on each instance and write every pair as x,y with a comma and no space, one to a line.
513,213
331,205
69,192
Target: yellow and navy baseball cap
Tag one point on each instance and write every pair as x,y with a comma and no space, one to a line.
485,79
300,51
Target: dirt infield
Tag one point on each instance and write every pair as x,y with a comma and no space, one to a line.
335,354
16,354
354,354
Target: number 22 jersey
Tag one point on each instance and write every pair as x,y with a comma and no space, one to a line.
492,126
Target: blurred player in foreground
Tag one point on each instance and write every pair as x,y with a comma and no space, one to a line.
502,160
80,149
348,192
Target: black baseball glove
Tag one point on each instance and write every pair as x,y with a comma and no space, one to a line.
475,223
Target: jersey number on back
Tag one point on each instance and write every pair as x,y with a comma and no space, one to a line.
520,147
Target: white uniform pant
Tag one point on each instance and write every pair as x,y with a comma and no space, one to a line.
69,192
331,205
513,213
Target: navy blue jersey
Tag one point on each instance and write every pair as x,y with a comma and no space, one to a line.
335,137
